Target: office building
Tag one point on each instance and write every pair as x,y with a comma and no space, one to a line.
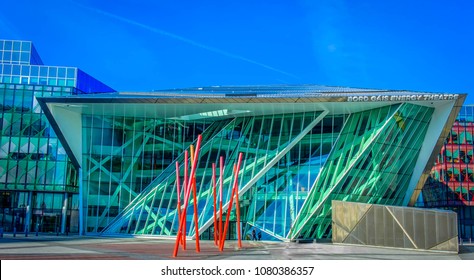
38,183
451,182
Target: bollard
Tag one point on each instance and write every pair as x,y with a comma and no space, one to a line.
67,231
14,231
57,231
26,232
37,228
1,232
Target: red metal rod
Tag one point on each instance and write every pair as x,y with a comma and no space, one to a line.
181,234
178,186
186,167
226,226
214,189
185,183
221,248
237,210
196,216
195,203
186,201
221,182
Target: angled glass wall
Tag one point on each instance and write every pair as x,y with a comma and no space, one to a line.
277,197
124,155
272,145
294,165
371,162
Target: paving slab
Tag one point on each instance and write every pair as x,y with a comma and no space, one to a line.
113,248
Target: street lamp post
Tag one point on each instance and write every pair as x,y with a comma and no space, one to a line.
3,219
27,220
63,219
43,207
14,225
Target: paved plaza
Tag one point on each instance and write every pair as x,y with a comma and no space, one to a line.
52,247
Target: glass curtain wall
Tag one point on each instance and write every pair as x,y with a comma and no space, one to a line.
38,184
123,155
451,182
361,166
268,167
37,180
276,199
293,166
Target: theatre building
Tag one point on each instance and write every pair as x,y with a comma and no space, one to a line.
303,146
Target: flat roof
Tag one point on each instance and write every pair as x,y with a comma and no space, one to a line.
247,100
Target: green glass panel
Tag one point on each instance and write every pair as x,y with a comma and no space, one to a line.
374,168
28,148
278,196
258,138
134,155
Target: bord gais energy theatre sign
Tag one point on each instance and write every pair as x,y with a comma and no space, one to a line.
412,97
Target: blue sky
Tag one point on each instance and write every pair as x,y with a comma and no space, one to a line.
146,45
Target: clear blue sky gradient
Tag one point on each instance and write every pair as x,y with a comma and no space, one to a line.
144,45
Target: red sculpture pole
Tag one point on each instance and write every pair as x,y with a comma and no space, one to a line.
186,201
178,186
185,183
195,202
214,189
221,182
221,248
237,209
196,216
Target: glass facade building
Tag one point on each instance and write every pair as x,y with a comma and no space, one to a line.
76,156
21,64
302,146
38,183
451,182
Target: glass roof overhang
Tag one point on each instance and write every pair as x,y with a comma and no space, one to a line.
177,105
65,113
217,114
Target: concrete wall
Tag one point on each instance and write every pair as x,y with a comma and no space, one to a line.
390,226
